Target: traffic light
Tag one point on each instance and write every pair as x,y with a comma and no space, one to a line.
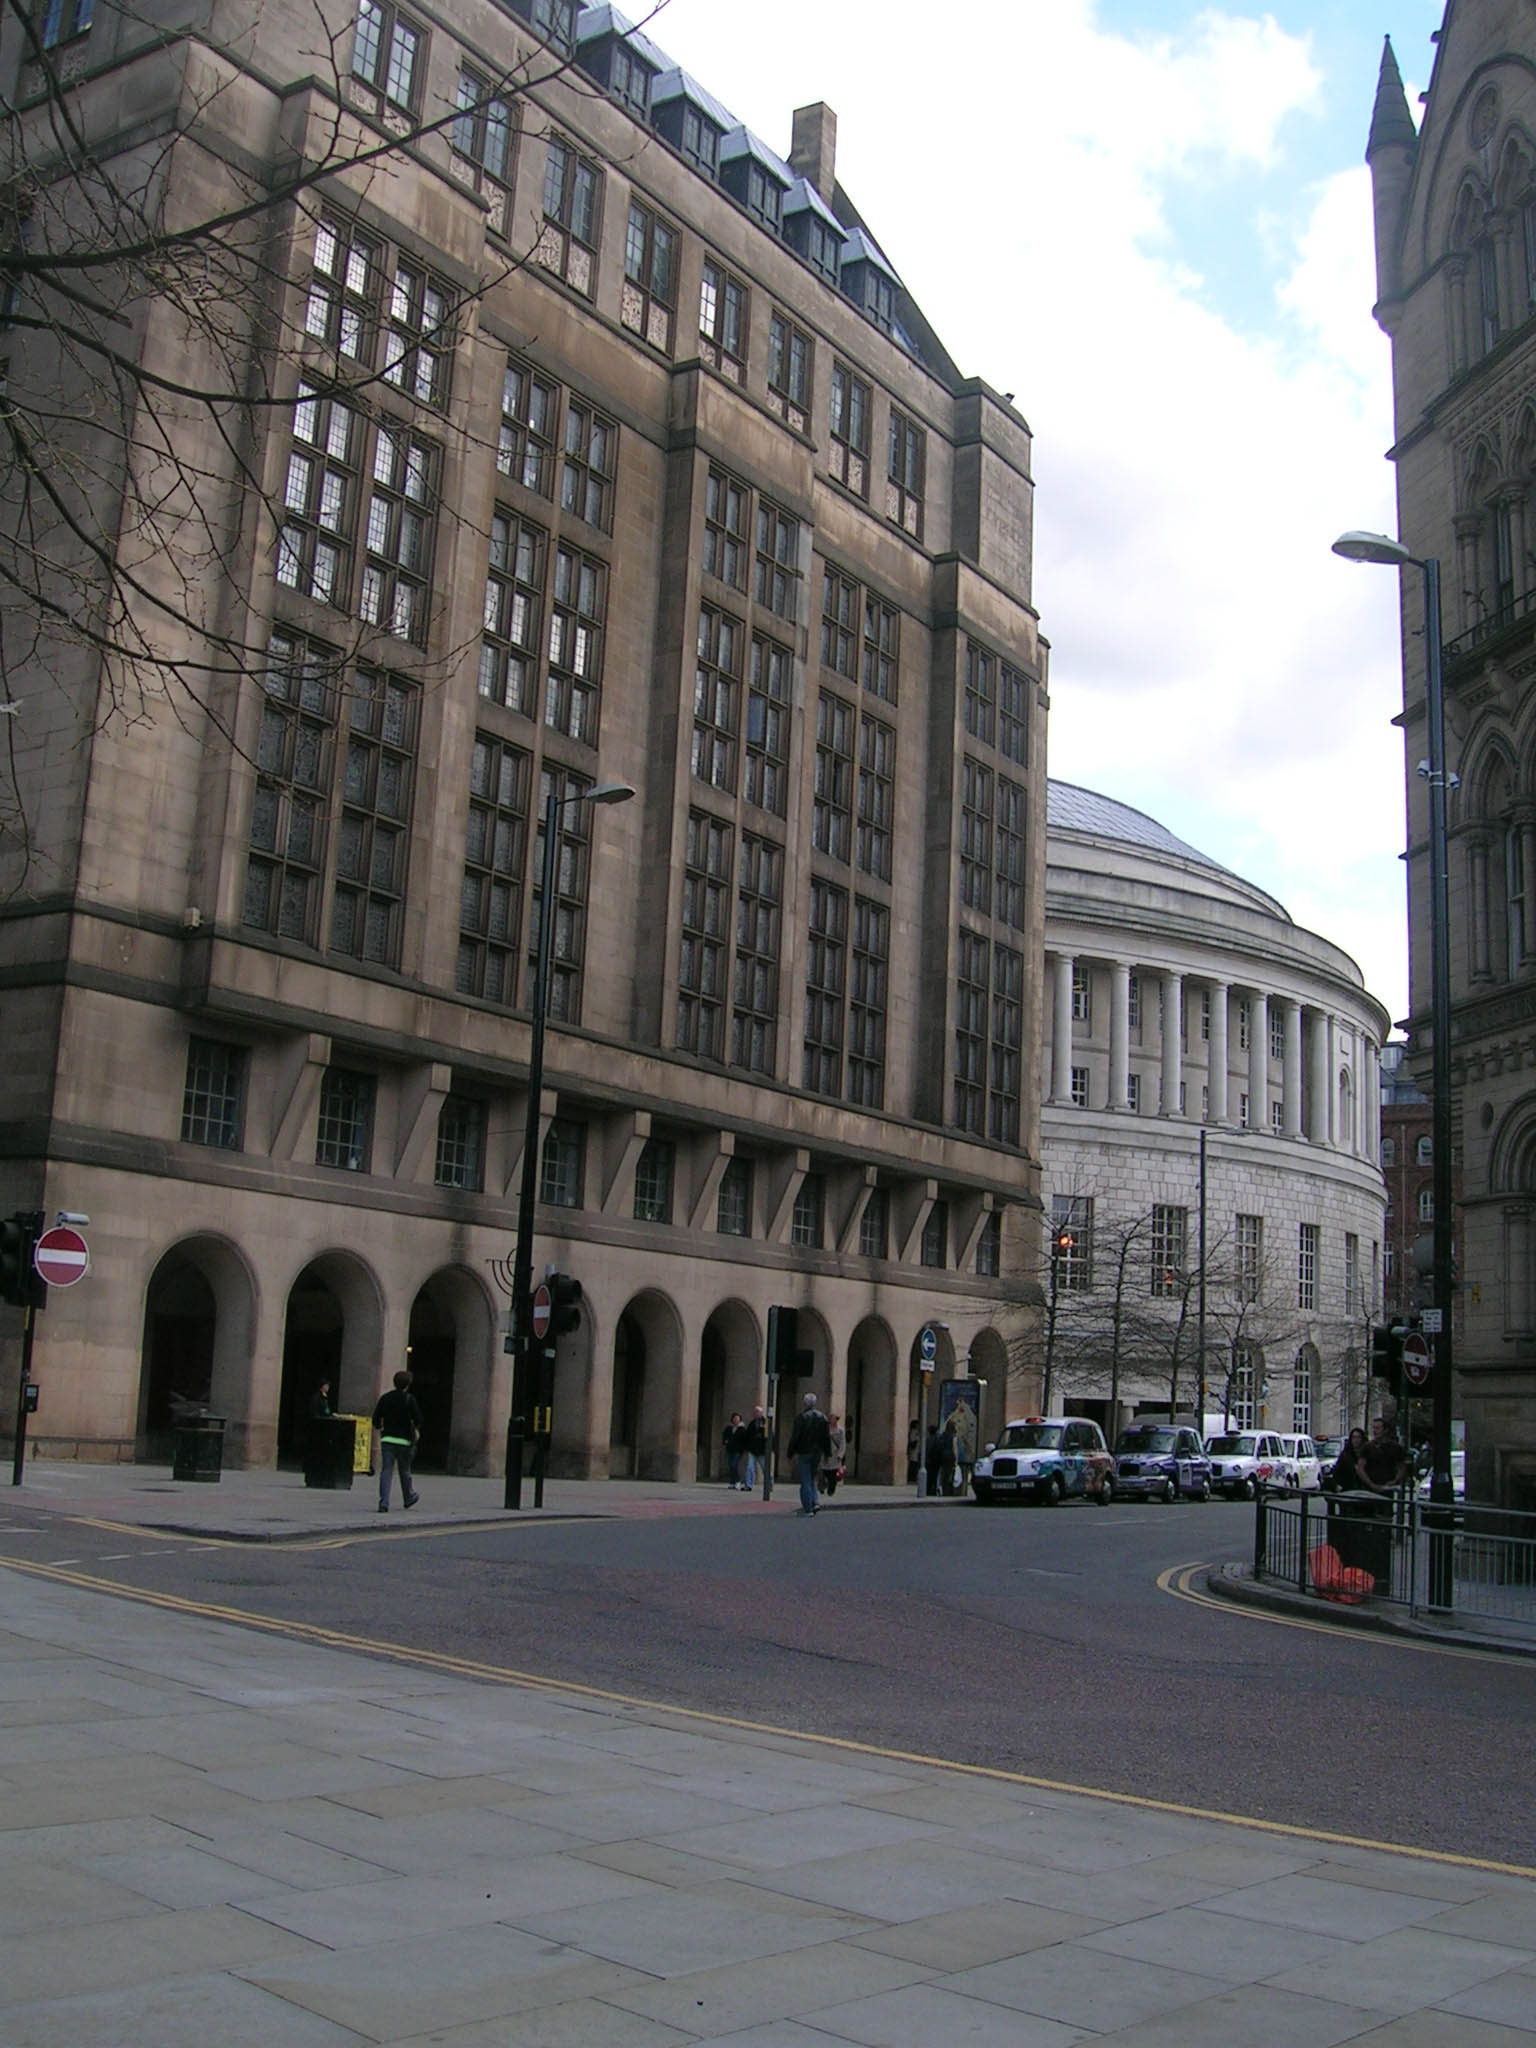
19,1285
783,1337
1387,1355
564,1304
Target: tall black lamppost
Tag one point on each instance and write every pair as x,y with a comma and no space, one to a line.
522,1258
1380,547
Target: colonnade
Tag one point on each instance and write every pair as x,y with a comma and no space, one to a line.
1326,1080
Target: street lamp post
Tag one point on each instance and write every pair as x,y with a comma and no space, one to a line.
522,1259
1380,547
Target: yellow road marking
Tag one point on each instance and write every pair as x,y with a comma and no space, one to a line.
1178,1581
340,1541
533,1681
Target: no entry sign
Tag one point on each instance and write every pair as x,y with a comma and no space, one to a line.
1416,1359
61,1257
541,1310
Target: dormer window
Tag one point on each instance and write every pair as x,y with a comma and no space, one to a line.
554,20
629,80
873,292
618,58
811,238
685,116
700,141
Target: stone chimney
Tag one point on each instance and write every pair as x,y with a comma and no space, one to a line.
813,147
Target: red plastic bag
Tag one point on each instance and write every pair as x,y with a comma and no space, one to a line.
1335,1579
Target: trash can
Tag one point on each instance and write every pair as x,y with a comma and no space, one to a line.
197,1449
329,1450
362,1451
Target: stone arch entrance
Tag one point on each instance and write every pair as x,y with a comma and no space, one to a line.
333,1329
647,1371
449,1351
989,1362
877,1448
730,1376
199,1326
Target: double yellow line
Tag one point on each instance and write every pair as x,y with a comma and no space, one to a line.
500,1674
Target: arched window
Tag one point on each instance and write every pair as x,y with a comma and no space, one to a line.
1389,1151
1424,1151
1426,1205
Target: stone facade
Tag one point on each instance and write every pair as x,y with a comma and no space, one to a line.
678,489
1455,207
1191,1019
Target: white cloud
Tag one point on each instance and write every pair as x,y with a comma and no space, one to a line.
1212,662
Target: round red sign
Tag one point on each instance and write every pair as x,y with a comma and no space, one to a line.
1417,1362
541,1309
61,1257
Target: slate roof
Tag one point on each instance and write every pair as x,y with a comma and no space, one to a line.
1071,809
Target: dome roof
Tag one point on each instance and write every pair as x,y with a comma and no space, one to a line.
1070,809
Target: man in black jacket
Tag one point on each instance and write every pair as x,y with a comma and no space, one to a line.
398,1419
810,1440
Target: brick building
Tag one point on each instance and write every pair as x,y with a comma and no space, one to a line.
605,445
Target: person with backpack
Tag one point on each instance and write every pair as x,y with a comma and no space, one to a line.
810,1441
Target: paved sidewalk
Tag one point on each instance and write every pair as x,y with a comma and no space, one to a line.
267,1505
209,1834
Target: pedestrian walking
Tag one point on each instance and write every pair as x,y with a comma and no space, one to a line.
933,1460
810,1439
398,1419
948,1457
754,1447
914,1449
730,1444
832,1463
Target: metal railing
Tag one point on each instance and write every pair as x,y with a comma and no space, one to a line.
1475,1563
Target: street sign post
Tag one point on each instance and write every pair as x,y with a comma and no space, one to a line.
1417,1360
61,1257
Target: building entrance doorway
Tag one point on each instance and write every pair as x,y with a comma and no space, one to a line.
312,1344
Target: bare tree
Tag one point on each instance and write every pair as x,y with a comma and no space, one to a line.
160,298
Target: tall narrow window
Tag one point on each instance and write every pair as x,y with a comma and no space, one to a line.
562,1165
320,498
839,623
755,996
294,766
514,580
868,994
373,836
980,693
418,344
832,800
342,305
1011,847
344,1132
705,937
1170,1249
875,1225
882,649
1249,1262
387,53
723,321
976,836
401,507
717,697
933,1249
648,300
733,1208
789,373
825,984
1006,1079
573,684
483,133
1082,999
213,1094
588,465
530,405
905,474
726,508
989,1248
768,726
460,1161
776,585
971,1033
568,922
1013,690
848,422
877,796
653,1181
806,1221
567,243
1071,1244
495,863
63,20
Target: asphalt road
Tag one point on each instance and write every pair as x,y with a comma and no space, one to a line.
1025,1639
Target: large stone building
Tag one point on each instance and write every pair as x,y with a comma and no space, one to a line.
1197,1037
604,444
1455,207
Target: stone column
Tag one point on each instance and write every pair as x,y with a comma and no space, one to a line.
1290,1084
1061,1032
1173,1040
1216,1054
1527,830
1468,528
1317,1066
1119,1034
1331,1039
1258,1060
1456,295
1480,965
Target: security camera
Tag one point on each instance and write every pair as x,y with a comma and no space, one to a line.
71,1216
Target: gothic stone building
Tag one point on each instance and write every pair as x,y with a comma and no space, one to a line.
606,445
1455,207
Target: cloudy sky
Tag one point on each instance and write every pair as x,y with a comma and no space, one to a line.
1151,221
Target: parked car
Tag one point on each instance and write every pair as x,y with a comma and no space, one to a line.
1328,1452
1303,1467
1046,1458
1458,1477
1162,1460
1245,1462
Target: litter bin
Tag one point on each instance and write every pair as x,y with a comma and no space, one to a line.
329,1450
197,1449
362,1450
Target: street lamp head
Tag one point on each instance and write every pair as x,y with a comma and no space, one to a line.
609,793
1359,546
